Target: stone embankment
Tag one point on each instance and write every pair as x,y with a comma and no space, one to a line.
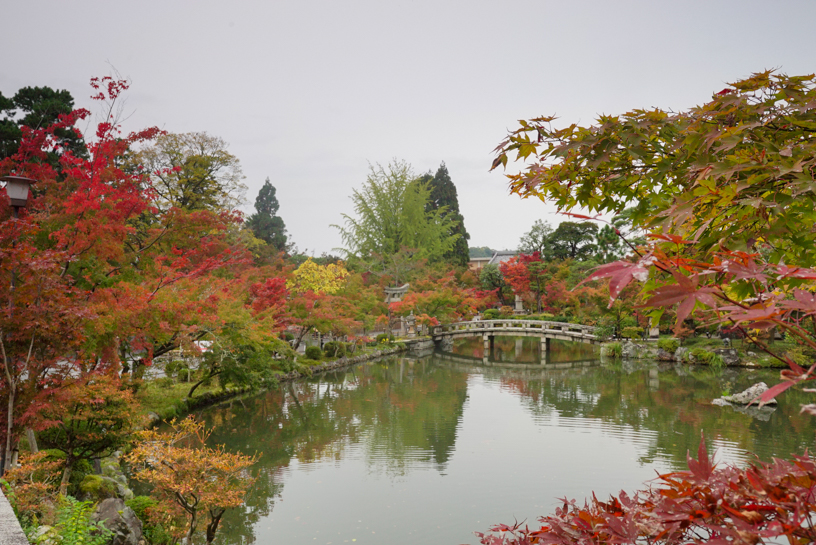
650,351
342,362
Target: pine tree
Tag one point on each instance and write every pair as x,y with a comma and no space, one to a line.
265,222
37,108
443,193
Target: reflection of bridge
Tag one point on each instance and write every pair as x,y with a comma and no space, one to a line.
473,364
488,329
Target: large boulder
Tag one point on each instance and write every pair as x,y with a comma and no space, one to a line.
629,350
119,519
760,413
45,535
680,354
663,355
750,395
98,487
638,351
729,356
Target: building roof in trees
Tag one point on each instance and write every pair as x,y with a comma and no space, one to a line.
501,256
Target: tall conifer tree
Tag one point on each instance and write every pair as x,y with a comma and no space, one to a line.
443,193
265,222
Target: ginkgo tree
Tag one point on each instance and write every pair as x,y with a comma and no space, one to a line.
310,276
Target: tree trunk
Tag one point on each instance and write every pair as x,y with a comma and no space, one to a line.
32,441
9,425
212,527
193,523
66,475
199,383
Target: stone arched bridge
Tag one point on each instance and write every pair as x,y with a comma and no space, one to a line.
488,329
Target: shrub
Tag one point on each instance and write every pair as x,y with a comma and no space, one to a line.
701,355
613,350
334,349
75,527
669,344
764,502
631,332
31,488
605,331
314,352
97,488
506,311
178,369
185,374
171,367
287,336
154,533
490,314
384,338
543,317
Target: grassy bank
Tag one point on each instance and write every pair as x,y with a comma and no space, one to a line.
167,398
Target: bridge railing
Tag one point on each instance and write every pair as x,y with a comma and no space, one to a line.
515,325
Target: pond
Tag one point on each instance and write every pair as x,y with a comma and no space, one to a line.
430,449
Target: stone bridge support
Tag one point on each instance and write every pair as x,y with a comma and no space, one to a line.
489,343
445,344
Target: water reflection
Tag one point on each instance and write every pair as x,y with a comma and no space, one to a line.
521,350
427,450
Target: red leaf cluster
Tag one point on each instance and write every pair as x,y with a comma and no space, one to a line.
706,504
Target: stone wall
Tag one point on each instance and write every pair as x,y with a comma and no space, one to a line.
10,531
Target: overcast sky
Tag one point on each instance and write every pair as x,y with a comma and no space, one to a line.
309,93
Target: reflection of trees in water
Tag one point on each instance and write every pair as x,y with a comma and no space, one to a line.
524,349
401,411
674,403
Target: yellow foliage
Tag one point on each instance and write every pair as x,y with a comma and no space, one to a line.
318,278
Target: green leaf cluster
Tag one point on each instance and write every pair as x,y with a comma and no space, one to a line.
193,171
734,173
75,526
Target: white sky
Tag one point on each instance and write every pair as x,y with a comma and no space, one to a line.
308,93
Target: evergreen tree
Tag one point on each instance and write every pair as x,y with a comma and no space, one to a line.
265,222
538,239
480,251
443,194
573,240
36,107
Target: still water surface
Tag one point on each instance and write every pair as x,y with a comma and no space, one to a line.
431,449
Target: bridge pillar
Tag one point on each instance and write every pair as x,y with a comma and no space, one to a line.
545,350
519,348
488,345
